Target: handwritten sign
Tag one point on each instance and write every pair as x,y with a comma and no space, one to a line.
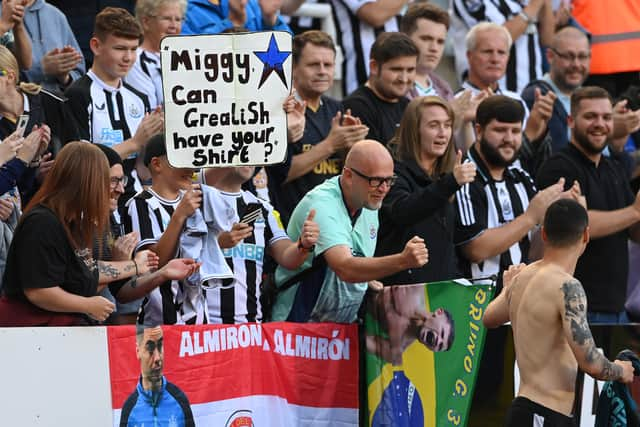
223,98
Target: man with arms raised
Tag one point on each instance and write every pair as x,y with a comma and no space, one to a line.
547,308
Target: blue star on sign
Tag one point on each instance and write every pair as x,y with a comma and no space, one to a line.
272,59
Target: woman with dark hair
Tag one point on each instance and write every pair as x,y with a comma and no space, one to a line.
51,277
420,203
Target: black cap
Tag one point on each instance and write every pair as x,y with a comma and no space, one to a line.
113,157
154,148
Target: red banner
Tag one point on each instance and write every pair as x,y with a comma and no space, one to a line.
296,369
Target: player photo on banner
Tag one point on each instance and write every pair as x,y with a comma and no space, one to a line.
224,96
268,375
423,347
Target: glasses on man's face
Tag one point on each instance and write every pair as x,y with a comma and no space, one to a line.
376,181
570,57
119,180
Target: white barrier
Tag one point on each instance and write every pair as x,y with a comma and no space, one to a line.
55,377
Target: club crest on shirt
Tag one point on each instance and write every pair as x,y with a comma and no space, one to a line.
373,231
134,111
473,5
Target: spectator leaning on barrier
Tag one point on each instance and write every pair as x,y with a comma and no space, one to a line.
117,246
109,111
430,171
158,214
614,214
328,132
331,284
381,101
252,230
158,18
52,277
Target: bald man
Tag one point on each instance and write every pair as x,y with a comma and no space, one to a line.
569,57
330,285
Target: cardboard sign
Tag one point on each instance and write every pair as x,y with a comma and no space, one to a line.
223,98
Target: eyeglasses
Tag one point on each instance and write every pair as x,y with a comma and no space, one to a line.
570,57
176,19
376,181
119,180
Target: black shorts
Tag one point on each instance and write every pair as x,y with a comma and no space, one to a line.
526,413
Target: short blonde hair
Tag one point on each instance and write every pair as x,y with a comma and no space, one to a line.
472,36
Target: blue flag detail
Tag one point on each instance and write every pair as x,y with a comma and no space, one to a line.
273,59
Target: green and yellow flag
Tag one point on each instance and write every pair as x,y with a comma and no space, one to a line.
423,348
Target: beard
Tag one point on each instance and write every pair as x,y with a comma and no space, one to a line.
493,156
582,139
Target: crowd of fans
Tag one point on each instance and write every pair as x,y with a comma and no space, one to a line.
405,180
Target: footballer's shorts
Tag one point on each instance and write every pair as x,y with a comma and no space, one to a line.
527,413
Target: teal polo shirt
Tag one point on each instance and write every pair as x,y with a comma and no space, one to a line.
321,296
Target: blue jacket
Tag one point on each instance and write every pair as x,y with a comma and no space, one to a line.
157,409
203,17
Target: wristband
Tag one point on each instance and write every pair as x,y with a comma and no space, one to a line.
302,248
136,265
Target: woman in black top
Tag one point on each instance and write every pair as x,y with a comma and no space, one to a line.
420,203
51,276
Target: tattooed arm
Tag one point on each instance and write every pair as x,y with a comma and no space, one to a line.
578,334
143,262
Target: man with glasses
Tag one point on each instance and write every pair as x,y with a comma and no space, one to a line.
569,57
330,285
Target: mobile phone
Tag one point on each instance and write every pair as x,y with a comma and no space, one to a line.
21,126
252,213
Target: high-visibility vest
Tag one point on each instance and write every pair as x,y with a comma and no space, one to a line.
615,29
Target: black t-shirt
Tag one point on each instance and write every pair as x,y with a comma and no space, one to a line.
382,117
41,256
603,267
285,197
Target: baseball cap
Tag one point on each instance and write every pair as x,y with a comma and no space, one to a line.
154,148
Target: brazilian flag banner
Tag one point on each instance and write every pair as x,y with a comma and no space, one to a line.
423,348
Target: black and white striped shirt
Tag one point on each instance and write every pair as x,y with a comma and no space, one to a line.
109,116
237,300
300,24
486,203
355,37
146,76
149,214
525,57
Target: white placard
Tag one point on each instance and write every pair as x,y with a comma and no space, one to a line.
223,98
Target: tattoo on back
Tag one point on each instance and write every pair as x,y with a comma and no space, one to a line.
575,310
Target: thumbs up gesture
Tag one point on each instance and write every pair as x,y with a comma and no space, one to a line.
310,231
463,172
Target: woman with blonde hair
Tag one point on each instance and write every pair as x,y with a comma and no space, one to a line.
52,277
46,110
429,172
